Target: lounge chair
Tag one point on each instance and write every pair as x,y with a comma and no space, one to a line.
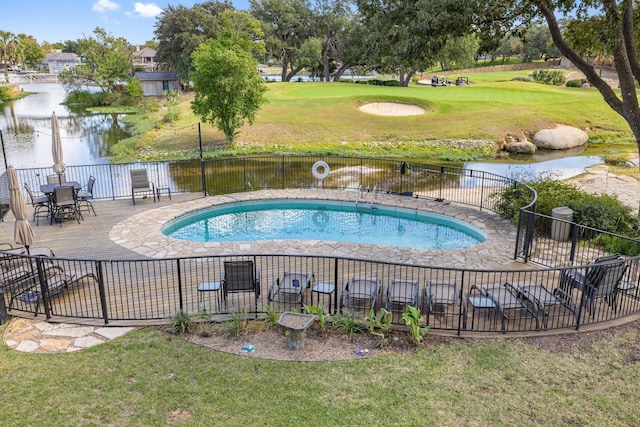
292,286
140,184
544,300
401,293
41,205
440,294
56,284
507,303
360,293
238,277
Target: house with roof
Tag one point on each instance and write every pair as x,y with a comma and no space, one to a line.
157,83
144,58
56,62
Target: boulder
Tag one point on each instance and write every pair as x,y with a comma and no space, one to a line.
520,147
560,138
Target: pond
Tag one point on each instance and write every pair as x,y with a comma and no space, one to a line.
26,129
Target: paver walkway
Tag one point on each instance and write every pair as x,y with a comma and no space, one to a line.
38,336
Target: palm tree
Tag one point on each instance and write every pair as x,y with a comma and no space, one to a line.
9,49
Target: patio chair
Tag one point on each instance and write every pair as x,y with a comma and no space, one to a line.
399,294
360,293
507,304
83,198
238,277
544,300
41,205
440,294
56,179
604,285
292,286
140,185
64,205
575,278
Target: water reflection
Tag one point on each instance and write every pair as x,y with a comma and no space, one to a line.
26,127
557,168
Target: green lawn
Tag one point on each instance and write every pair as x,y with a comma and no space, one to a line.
324,118
149,378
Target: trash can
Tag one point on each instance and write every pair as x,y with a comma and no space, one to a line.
561,230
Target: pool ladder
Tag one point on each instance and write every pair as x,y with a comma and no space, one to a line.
359,195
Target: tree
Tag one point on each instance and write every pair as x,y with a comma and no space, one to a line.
459,52
618,28
287,27
180,30
228,88
9,50
32,51
105,62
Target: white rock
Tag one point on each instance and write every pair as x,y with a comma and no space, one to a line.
560,138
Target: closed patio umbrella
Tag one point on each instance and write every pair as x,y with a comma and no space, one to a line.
56,148
22,231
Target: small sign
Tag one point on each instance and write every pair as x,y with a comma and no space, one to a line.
296,283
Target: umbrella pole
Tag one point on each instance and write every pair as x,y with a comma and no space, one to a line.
27,248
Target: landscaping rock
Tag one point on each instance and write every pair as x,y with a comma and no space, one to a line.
521,147
560,138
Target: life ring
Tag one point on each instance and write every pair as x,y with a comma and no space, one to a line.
321,219
320,165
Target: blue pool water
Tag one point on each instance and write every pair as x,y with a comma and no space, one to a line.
326,221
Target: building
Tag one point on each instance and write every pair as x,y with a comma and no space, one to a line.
56,62
144,58
156,84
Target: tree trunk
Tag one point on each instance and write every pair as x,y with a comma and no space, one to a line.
292,73
340,71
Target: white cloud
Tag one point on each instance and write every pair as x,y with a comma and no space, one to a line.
105,6
146,10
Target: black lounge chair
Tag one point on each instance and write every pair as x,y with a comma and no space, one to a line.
545,300
507,303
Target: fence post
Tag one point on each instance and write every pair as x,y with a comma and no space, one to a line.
103,296
461,309
113,189
179,271
574,241
204,178
335,280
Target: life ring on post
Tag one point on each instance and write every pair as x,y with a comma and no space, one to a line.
315,170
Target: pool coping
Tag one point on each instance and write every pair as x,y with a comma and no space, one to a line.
142,233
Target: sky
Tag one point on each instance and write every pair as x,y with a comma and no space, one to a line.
60,20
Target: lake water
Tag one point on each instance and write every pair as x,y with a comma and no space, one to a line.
86,138
26,129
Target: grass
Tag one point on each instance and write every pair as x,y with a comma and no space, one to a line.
324,118
152,378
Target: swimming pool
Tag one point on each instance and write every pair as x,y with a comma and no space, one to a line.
326,221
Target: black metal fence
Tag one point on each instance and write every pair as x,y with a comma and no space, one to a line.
454,299
230,175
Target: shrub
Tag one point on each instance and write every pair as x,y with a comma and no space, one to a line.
237,324
348,324
574,83
180,323
602,212
548,77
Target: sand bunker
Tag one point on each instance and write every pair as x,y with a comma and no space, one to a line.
392,109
